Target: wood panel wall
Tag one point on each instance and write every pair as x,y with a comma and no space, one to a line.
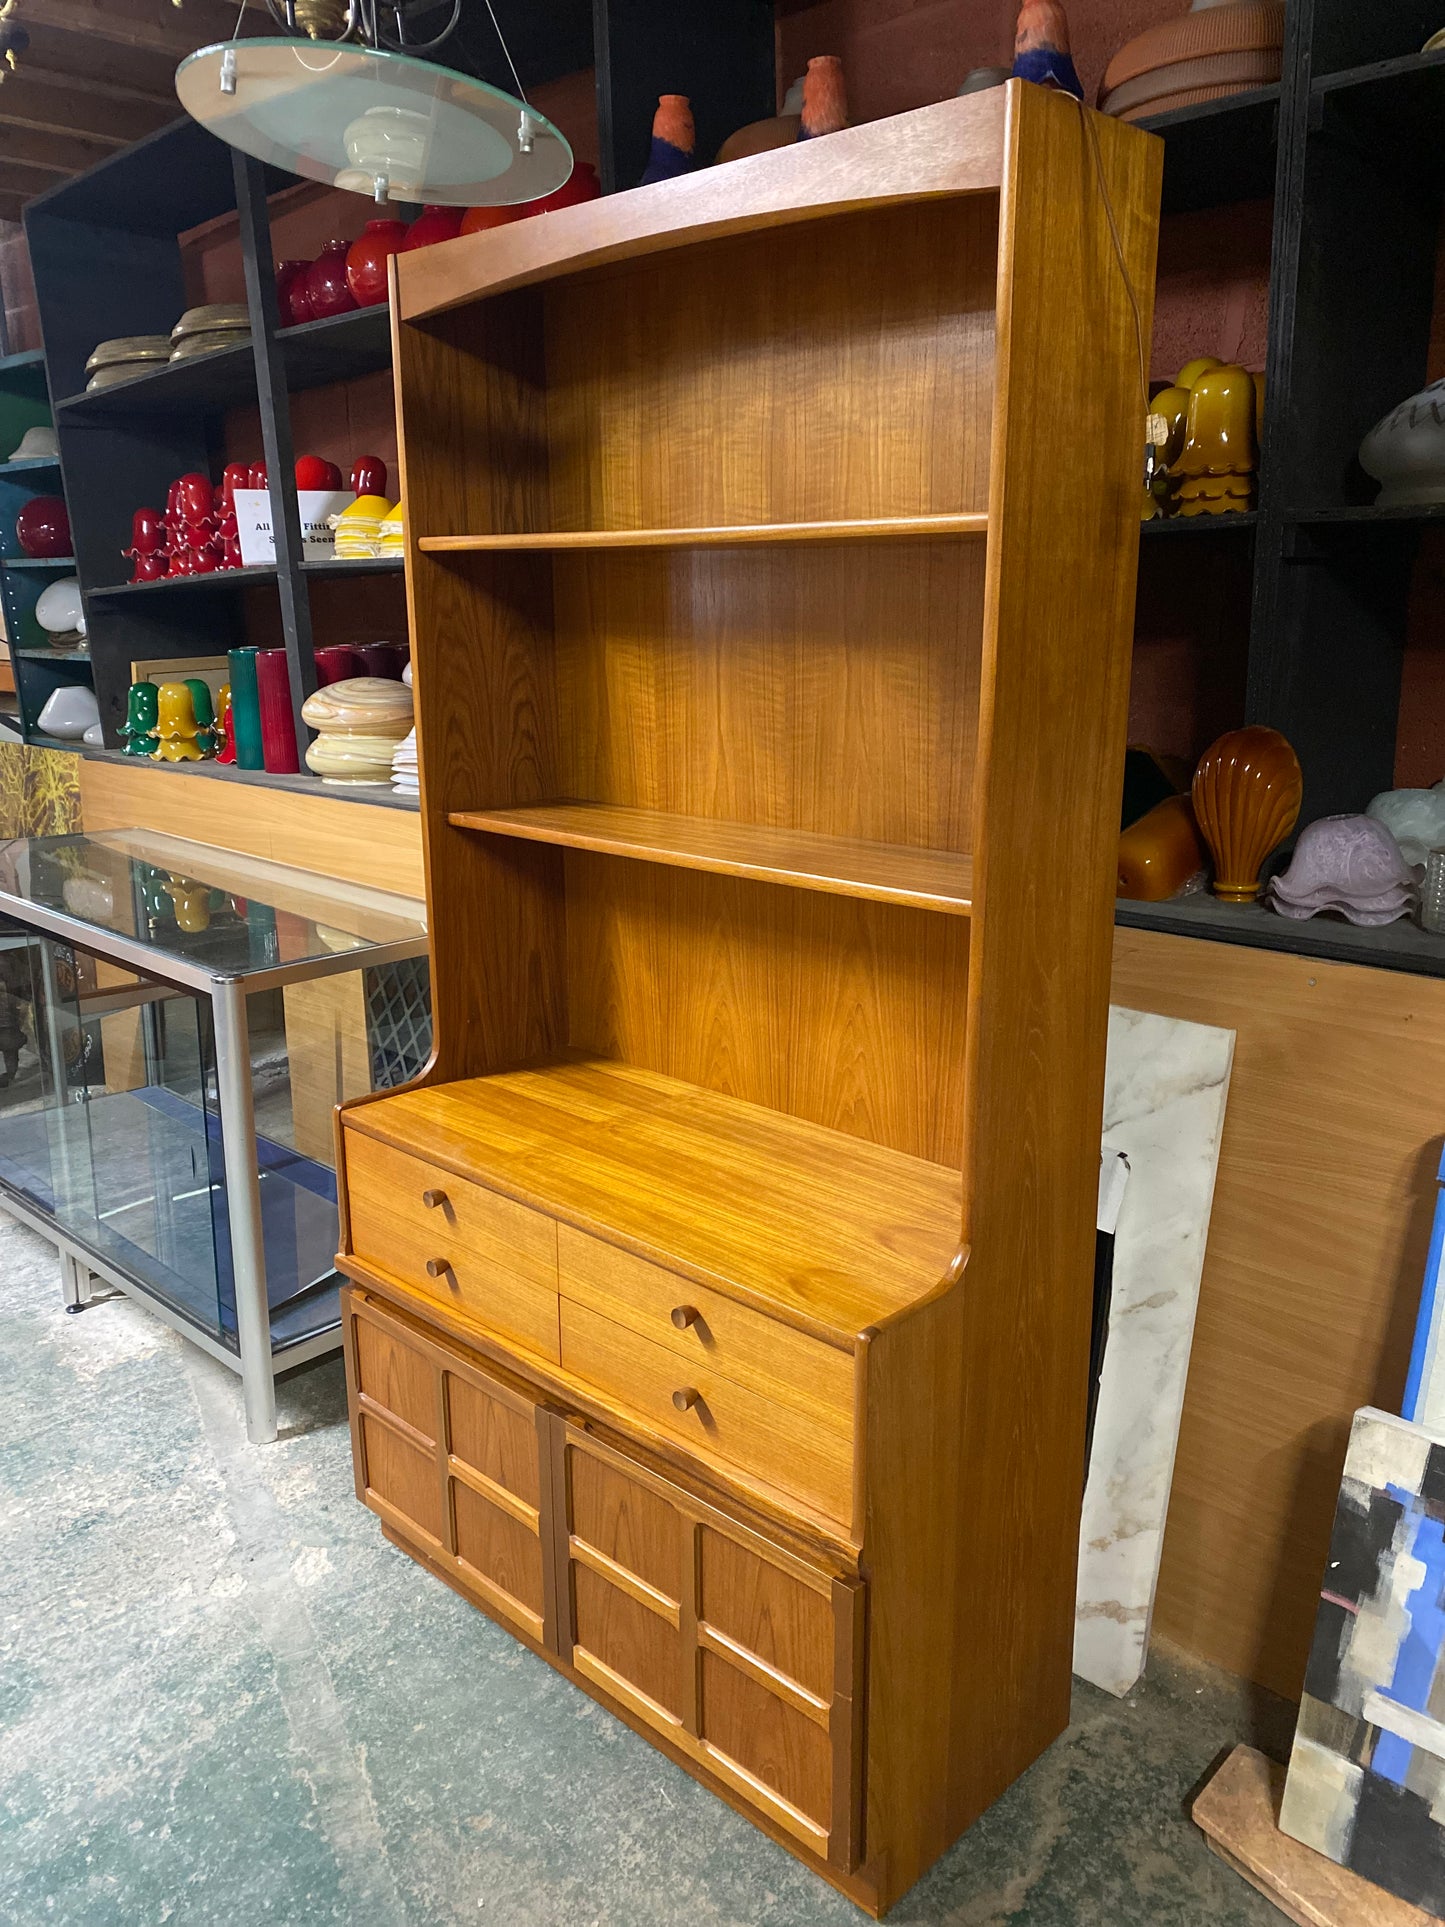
378,846
1316,1252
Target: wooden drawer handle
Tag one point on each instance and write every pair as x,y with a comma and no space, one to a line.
685,1315
687,1398
433,1200
438,1267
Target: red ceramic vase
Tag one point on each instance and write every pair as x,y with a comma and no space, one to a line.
433,224
326,283
366,261
368,476
338,663
42,528
278,725
291,290
315,472
384,659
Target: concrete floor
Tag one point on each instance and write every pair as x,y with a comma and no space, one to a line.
225,1700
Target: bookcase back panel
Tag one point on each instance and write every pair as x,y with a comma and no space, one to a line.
829,688
836,369
846,1013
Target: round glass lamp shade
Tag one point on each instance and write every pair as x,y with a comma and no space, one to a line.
382,124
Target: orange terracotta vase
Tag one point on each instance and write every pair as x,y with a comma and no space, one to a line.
1246,797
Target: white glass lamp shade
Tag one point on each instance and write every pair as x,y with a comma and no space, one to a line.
382,124
58,608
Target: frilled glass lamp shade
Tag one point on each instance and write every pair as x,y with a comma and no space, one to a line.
373,122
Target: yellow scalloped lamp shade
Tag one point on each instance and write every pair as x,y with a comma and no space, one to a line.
1246,797
358,526
1192,370
1219,433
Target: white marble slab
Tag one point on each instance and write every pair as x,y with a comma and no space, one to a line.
1165,1088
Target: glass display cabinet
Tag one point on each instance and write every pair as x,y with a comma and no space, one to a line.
177,1024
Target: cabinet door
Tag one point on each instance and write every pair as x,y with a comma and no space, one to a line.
746,1657
455,1460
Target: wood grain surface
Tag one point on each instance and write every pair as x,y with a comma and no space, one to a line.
842,866
949,150
1312,1276
834,1234
728,535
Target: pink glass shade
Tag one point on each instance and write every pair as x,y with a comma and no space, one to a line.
1350,866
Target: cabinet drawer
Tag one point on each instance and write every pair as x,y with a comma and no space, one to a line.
789,1446
477,1252
464,1216
706,1329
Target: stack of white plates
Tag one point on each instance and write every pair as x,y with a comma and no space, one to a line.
405,777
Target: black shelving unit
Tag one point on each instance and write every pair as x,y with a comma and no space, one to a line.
37,669
105,249
1349,147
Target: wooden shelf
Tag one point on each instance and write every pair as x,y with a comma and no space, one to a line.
842,866
836,1233
883,528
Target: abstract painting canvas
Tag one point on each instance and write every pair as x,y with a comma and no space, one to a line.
1366,1782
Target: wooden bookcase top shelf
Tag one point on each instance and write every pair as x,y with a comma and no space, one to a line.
837,865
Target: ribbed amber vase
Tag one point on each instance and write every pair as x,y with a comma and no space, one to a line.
1246,797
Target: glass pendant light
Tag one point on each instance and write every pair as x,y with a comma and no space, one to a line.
371,118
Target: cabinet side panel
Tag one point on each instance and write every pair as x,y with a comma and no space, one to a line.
472,416
1063,555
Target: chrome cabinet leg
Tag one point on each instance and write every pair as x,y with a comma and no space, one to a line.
243,1205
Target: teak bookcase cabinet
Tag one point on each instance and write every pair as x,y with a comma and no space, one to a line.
720,1303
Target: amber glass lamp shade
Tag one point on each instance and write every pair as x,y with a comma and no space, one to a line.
1246,798
1219,435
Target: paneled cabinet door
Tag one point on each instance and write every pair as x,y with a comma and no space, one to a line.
456,1461
747,1658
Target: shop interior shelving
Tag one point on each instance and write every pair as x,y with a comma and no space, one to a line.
35,669
1348,147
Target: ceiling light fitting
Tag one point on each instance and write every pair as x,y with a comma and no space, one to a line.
347,97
